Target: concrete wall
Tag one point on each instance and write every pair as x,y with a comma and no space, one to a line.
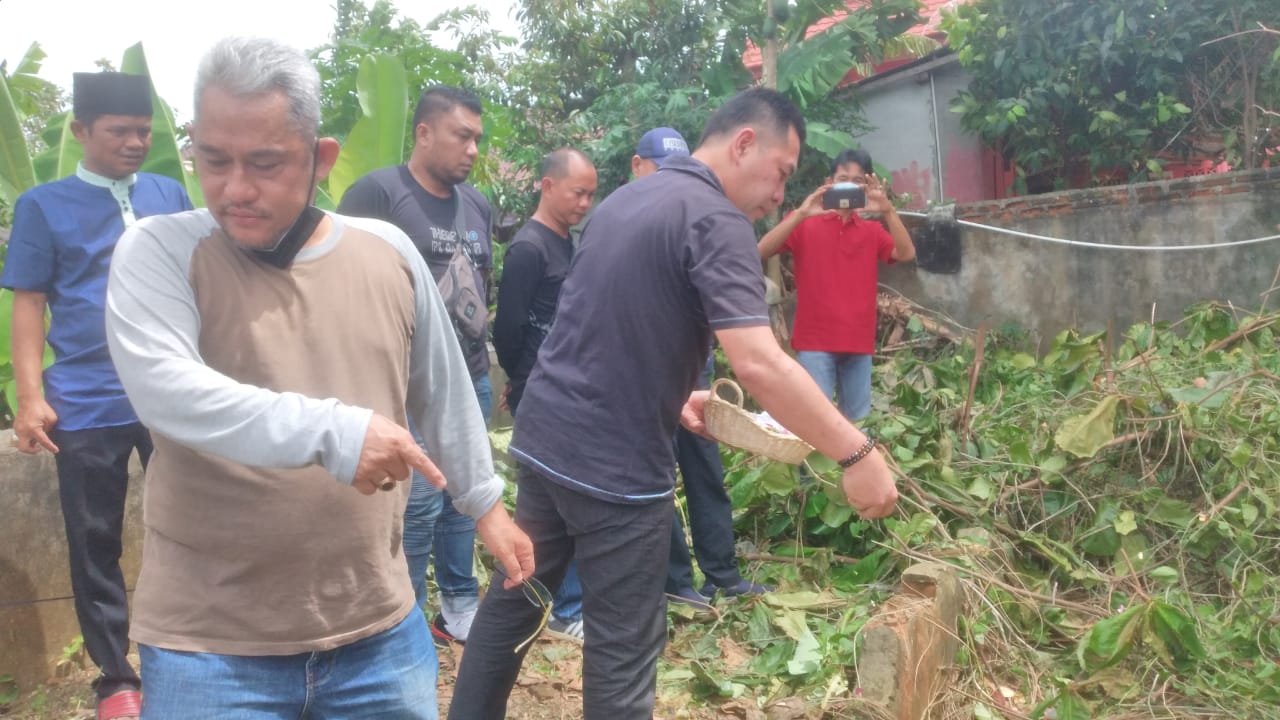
919,139
1046,288
37,618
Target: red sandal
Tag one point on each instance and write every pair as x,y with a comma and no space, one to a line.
124,704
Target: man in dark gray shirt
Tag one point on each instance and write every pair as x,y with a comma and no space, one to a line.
664,263
430,201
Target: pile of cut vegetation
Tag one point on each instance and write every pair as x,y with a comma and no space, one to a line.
1123,490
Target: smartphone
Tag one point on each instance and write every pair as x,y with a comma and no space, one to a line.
844,196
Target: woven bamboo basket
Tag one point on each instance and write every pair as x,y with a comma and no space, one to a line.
732,425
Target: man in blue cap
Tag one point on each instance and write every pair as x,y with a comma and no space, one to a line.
64,233
709,507
654,147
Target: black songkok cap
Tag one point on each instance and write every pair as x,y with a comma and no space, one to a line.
110,93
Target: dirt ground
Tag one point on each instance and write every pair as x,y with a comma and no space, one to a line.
550,687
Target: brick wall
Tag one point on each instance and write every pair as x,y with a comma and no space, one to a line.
1046,287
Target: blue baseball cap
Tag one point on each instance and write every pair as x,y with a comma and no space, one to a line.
661,142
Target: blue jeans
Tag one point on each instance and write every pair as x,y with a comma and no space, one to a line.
389,675
567,603
851,371
431,520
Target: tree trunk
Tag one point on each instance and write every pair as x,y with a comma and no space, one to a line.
773,266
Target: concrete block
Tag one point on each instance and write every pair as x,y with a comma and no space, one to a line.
908,645
37,617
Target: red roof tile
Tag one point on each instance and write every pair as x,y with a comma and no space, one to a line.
930,15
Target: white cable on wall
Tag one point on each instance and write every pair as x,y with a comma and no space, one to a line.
1101,246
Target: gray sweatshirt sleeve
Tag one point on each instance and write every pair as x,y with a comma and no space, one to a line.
441,399
153,330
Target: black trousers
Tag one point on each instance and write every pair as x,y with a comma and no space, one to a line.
621,552
93,477
710,517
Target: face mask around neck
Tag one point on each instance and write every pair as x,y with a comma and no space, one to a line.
282,254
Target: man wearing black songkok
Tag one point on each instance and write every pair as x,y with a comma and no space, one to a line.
64,233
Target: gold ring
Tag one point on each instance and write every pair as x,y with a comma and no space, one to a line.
387,484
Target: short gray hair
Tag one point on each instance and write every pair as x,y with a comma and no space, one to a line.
245,67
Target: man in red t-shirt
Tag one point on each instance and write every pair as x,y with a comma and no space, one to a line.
837,255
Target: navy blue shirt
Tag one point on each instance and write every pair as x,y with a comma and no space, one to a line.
392,194
664,262
64,233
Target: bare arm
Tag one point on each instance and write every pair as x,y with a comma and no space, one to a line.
772,242
784,389
904,249
34,416
788,393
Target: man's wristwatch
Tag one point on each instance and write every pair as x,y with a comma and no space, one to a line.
858,454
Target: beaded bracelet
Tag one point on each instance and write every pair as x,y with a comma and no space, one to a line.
861,452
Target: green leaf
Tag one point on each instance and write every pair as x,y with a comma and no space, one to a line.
1023,361
378,138
1125,523
828,140
17,174
1083,435
1109,640
836,514
1070,706
1168,511
165,156
1248,513
1101,537
1241,454
1164,574
980,488
807,658
778,478
1173,635
1053,464
63,151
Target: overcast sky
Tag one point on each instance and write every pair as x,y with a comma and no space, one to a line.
75,33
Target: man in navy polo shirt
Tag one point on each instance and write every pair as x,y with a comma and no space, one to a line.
64,233
665,263
701,471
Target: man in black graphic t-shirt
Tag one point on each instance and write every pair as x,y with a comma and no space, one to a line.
430,201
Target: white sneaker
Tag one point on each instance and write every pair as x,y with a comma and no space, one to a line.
568,630
458,623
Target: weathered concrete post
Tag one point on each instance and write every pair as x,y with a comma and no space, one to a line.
37,616
912,639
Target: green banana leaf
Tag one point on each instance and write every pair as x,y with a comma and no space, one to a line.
25,83
16,171
7,384
378,138
62,151
165,157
